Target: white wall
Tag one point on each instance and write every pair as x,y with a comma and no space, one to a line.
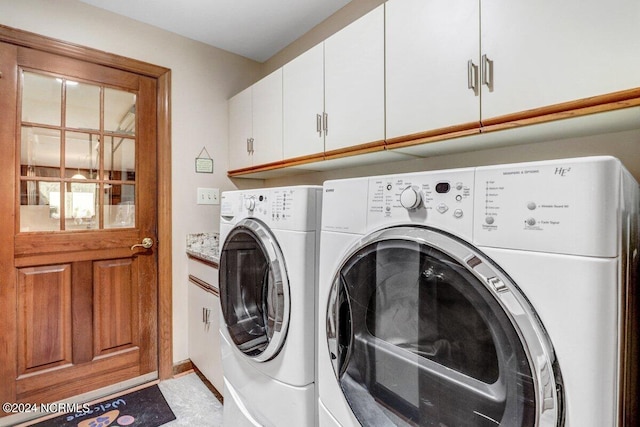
203,78
343,17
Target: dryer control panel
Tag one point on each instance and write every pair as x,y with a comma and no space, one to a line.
440,199
555,206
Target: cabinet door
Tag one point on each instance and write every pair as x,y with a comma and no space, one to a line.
354,82
546,52
428,46
199,300
204,334
303,101
240,129
267,119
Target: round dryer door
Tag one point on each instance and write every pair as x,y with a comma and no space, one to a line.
254,290
424,330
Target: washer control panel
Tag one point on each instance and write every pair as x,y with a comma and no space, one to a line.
440,199
290,208
271,206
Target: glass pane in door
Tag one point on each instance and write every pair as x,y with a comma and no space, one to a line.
82,155
119,205
40,152
120,158
41,99
120,111
83,105
64,164
40,206
81,206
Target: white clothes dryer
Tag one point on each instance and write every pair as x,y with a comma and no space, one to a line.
268,283
502,295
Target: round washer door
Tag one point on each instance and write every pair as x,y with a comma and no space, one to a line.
424,330
254,290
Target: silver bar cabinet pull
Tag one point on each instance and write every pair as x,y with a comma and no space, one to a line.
487,72
472,76
325,119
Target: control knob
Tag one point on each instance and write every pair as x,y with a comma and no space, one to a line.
410,198
250,203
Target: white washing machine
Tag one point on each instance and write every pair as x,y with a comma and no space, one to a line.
268,284
487,296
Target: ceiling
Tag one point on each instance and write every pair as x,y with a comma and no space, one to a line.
256,29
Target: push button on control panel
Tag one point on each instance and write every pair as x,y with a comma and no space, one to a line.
442,208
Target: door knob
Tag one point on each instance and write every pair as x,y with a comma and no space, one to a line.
147,242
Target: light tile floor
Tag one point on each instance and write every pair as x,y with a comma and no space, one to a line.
192,402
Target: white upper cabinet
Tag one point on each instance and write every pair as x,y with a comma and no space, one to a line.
303,104
354,83
547,51
267,119
517,55
432,59
255,123
334,92
240,130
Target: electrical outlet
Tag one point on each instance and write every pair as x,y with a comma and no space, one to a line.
208,196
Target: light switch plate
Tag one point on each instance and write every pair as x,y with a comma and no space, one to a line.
208,196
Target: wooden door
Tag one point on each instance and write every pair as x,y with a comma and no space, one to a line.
78,174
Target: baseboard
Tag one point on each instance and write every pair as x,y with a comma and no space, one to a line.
187,366
182,367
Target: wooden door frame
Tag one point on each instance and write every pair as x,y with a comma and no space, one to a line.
163,99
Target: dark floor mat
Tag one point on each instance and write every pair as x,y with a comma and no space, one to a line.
143,408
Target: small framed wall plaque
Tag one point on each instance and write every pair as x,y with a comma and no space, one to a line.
204,164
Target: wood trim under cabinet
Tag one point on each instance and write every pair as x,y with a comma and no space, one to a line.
594,104
434,135
313,158
585,110
370,147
